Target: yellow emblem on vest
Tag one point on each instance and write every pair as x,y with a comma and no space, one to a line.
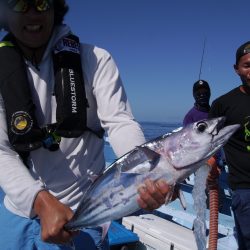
20,122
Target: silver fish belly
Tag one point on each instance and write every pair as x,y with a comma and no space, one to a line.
172,157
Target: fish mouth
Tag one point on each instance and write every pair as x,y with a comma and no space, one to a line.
221,133
218,127
220,124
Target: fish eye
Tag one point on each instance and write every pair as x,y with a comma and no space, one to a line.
201,126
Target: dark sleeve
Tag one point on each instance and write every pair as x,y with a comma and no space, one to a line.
215,110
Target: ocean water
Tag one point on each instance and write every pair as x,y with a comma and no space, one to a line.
154,129
151,130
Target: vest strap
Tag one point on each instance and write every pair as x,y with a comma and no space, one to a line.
24,132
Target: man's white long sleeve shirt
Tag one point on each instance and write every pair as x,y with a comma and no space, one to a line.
66,172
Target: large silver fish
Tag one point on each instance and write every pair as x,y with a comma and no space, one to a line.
173,157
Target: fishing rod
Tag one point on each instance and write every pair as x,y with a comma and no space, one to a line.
202,57
213,190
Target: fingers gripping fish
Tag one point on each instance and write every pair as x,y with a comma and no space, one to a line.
173,157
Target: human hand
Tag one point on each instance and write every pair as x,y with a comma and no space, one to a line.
53,216
152,194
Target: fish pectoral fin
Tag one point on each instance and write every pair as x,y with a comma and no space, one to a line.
152,156
141,156
169,195
174,193
105,228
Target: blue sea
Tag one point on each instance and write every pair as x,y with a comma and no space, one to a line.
151,130
154,129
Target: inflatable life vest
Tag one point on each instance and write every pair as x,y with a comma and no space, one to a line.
24,132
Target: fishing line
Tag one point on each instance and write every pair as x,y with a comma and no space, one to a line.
202,57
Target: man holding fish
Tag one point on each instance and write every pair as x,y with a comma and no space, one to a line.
57,97
51,136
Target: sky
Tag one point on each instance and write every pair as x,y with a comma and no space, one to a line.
157,46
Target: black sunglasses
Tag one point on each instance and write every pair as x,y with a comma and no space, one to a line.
246,50
22,6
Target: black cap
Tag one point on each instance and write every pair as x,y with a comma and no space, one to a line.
242,50
200,84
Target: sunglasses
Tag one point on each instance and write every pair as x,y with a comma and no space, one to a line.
246,50
22,6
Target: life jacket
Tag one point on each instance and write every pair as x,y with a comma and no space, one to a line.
24,132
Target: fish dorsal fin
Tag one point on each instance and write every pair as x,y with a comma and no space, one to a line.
142,159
